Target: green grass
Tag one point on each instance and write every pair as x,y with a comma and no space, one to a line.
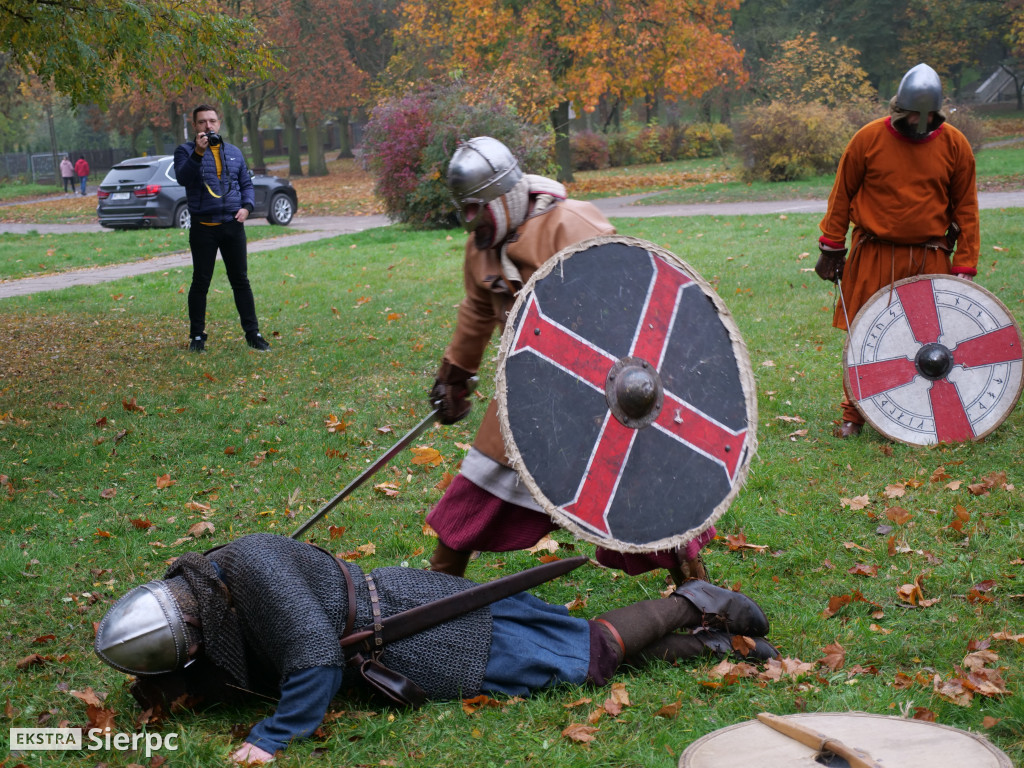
17,190
816,188
35,253
997,168
358,324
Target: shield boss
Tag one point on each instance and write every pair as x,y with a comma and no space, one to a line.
625,395
936,359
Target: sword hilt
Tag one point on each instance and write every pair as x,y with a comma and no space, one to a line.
471,384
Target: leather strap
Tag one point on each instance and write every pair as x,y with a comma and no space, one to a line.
350,588
614,633
378,641
350,585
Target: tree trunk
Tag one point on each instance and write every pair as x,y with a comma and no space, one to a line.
177,134
133,142
317,164
563,152
706,103
651,105
345,148
1016,86
231,124
252,126
57,180
291,135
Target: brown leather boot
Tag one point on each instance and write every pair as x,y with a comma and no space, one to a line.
448,560
634,627
705,642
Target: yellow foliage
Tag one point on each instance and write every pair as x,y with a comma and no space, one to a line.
806,70
543,54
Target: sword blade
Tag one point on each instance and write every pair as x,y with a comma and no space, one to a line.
387,456
406,623
842,301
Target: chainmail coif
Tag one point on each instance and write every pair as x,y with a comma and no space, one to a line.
221,630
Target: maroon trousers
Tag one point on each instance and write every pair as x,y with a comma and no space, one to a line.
468,518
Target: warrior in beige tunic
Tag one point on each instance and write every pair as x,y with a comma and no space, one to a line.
516,222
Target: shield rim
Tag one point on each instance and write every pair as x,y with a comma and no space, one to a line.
747,382
887,289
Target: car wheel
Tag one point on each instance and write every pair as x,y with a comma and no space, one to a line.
182,218
281,209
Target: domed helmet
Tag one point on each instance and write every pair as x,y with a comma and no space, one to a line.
920,91
150,630
481,170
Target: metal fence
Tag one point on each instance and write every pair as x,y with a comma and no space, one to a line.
39,169
14,165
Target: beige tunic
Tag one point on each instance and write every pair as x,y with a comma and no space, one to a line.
489,299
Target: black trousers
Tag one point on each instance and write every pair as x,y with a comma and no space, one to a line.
205,241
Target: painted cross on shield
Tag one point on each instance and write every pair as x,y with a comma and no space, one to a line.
625,395
934,359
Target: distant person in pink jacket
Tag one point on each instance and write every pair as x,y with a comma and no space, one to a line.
67,173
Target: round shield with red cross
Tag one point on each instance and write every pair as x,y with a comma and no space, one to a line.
934,359
625,395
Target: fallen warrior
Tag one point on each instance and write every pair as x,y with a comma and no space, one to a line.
265,613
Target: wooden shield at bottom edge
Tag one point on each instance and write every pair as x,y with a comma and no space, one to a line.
891,741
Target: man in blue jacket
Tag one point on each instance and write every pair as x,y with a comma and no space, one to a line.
220,199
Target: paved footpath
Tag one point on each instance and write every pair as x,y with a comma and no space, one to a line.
302,230
307,229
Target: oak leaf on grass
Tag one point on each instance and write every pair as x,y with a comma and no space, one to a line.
584,734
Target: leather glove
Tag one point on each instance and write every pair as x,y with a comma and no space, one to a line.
952,235
450,393
830,263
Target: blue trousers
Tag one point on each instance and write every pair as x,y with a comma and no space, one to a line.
535,645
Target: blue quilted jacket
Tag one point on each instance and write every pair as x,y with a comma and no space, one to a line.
212,198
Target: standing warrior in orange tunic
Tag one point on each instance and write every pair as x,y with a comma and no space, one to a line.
907,184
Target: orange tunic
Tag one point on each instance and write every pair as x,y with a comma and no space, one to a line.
901,195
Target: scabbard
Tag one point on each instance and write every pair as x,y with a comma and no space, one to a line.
428,615
856,758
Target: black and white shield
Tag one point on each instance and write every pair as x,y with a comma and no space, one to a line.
625,395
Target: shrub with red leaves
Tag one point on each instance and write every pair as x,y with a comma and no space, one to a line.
589,151
410,139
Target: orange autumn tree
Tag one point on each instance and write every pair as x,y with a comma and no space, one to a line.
553,53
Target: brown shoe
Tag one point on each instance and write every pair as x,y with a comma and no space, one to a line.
848,429
723,644
676,646
724,609
448,560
